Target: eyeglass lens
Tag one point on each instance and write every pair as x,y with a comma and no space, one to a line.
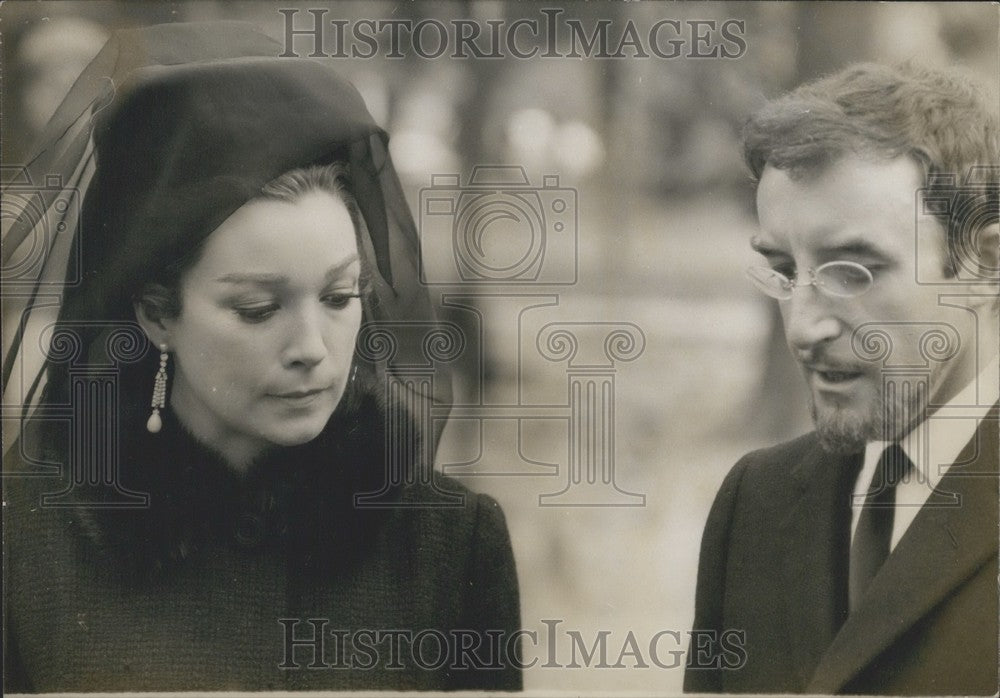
841,279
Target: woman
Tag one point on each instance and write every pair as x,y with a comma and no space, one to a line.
228,518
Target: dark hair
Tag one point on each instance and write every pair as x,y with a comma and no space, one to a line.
939,119
163,287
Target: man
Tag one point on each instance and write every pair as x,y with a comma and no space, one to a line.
862,557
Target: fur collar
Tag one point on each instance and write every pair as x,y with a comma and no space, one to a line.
297,502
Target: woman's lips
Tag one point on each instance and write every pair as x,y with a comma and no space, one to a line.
301,398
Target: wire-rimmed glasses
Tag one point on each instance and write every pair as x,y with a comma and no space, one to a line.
839,279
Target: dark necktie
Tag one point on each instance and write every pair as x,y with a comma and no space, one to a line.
873,535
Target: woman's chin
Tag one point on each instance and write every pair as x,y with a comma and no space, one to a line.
298,424
295,432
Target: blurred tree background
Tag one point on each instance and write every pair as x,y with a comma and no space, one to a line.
651,147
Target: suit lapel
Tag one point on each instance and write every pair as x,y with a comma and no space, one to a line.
941,549
812,570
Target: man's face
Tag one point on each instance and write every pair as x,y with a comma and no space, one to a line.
862,211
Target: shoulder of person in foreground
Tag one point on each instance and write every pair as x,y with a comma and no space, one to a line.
758,473
765,467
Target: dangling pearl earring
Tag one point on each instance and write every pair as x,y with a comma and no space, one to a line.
154,423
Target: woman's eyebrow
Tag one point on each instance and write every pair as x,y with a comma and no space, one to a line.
262,278
268,279
338,269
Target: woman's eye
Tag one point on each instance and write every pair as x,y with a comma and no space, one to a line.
255,313
338,301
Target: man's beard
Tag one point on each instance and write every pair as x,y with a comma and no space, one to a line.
894,409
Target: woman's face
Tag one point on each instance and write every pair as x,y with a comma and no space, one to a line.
263,344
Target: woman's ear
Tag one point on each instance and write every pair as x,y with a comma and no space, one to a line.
153,310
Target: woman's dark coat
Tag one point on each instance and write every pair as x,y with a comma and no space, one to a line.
220,583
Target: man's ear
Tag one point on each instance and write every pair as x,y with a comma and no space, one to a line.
154,309
988,247
988,264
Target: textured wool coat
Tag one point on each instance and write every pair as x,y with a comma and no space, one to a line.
222,581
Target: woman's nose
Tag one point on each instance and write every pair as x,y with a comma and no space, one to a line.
307,341
809,318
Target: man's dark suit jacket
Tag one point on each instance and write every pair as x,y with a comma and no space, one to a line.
774,561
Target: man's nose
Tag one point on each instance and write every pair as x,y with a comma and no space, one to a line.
809,318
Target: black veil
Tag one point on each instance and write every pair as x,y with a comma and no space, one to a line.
167,132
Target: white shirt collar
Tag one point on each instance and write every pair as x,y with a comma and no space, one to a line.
933,445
